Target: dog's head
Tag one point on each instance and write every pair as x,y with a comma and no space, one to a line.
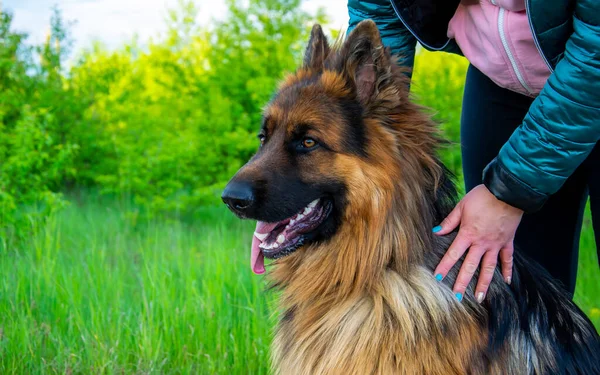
329,144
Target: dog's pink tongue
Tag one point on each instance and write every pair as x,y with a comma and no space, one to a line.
257,259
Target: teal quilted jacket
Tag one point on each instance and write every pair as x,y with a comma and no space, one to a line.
563,123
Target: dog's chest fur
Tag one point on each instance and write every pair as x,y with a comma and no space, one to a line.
405,325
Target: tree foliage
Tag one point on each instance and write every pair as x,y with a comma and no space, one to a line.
167,123
36,108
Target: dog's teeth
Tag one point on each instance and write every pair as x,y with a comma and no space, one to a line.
276,245
307,210
313,203
281,238
261,236
300,217
292,222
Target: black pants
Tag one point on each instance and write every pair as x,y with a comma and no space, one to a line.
550,236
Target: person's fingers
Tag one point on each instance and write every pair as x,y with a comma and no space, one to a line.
486,273
450,222
506,262
457,249
467,270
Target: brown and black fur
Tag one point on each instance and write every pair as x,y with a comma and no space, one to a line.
359,296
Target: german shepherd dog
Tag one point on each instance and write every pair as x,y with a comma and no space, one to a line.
346,187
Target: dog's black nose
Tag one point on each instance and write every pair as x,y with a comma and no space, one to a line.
238,196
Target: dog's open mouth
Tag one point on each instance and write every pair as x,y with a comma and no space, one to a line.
276,240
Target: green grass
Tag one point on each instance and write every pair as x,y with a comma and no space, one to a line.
587,291
97,290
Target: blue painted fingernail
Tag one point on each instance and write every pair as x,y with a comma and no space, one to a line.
459,296
439,277
436,229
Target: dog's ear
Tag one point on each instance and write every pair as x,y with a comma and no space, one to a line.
365,61
317,49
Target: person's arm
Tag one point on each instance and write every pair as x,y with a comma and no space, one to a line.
393,33
562,125
558,133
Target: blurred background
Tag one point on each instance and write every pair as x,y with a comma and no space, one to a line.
120,123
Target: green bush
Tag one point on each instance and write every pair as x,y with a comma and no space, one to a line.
438,83
36,156
166,124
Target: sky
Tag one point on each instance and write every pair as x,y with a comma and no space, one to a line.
114,22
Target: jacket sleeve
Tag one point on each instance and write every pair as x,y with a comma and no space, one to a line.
393,33
562,125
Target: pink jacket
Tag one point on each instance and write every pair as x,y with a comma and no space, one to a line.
495,36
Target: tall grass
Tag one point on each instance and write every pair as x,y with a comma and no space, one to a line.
96,290
587,292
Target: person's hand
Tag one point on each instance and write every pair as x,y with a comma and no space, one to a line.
487,228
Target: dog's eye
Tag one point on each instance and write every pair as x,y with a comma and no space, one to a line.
309,142
262,138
